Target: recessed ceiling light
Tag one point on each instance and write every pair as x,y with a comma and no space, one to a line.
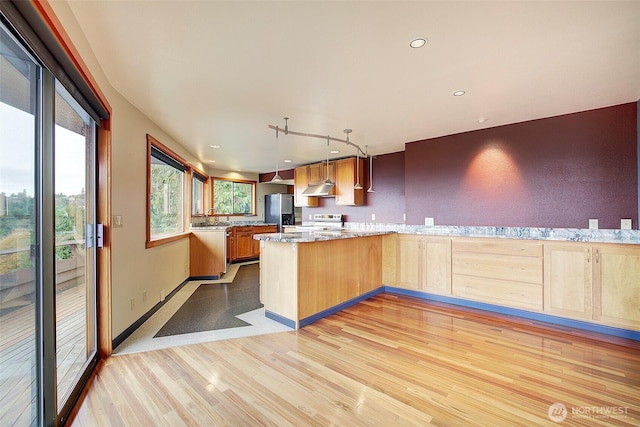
459,93
482,120
334,151
418,43
214,146
212,161
287,160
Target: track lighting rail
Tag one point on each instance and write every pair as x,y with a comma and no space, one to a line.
287,131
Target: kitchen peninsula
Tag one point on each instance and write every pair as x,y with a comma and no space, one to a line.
305,276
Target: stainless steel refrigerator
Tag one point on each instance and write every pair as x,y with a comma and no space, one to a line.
278,209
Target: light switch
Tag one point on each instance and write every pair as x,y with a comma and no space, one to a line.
429,222
116,221
625,224
593,224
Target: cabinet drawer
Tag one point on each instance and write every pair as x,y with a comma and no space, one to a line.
244,229
499,247
501,267
526,296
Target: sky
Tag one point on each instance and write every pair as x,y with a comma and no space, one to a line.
17,158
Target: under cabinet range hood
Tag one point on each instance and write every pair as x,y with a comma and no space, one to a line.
322,189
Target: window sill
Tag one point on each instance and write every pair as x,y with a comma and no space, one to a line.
165,240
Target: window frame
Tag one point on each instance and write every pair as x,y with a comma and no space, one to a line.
253,184
186,198
197,174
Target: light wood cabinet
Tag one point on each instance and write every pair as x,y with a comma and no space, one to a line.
617,285
504,272
207,253
594,282
424,263
568,280
346,178
300,183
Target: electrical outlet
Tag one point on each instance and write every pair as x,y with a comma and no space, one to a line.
625,224
593,224
373,217
133,303
404,217
428,222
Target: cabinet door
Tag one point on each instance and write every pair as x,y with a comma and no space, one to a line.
231,244
244,242
437,272
617,287
317,173
568,279
346,179
410,261
300,183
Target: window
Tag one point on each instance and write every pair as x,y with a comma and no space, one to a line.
233,197
165,202
197,192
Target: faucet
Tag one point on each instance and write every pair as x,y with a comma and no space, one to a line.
207,216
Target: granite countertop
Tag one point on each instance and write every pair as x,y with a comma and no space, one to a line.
225,225
523,233
317,235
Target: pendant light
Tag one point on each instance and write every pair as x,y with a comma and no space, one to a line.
366,152
328,181
277,177
358,186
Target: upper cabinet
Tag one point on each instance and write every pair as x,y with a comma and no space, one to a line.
343,172
300,183
347,175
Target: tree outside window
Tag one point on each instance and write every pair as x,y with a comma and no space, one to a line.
233,197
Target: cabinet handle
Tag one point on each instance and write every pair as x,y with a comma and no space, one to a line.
597,255
588,255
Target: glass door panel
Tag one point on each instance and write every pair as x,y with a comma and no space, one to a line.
75,242
18,350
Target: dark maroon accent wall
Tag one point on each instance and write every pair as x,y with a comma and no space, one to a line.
553,172
387,202
266,177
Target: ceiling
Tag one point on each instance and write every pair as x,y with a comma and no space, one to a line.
216,73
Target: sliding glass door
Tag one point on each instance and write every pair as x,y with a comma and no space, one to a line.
75,242
18,262
48,241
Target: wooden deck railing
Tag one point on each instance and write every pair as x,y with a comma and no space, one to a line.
17,340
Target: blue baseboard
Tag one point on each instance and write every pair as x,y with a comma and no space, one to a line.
547,318
203,277
309,320
280,319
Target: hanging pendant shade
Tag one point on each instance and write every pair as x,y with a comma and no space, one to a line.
277,177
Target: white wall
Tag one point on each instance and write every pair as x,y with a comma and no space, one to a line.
134,268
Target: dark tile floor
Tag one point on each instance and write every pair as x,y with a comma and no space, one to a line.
216,305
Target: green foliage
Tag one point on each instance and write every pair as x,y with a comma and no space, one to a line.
17,228
166,199
231,197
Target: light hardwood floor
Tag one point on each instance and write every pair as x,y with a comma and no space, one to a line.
387,361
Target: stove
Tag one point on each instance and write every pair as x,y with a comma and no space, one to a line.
323,222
